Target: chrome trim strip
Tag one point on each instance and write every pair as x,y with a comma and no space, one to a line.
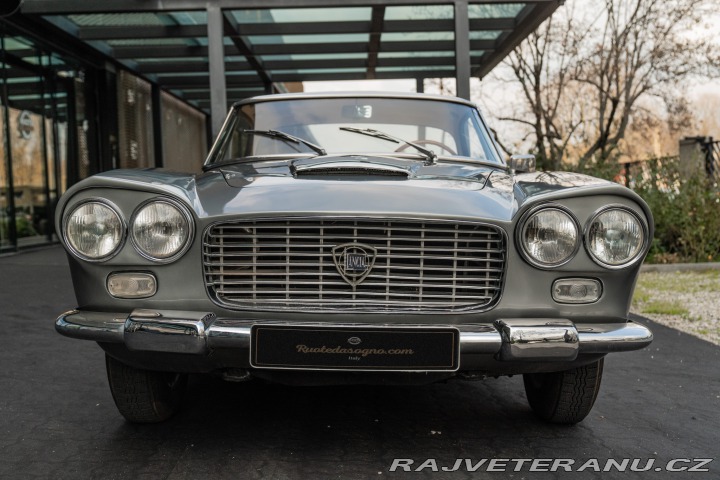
538,339
96,326
607,338
167,331
199,332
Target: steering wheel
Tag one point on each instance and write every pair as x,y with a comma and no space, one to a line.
428,142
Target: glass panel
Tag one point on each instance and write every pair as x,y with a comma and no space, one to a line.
115,19
419,12
142,42
183,135
415,69
485,34
417,36
21,47
4,185
135,122
82,129
498,10
315,56
189,18
295,15
443,127
320,70
27,149
181,59
329,38
415,54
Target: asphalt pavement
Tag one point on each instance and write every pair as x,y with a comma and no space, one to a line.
58,420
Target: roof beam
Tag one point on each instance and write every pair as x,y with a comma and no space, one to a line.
528,20
462,50
141,31
231,30
305,28
171,51
376,29
216,68
203,80
187,66
54,7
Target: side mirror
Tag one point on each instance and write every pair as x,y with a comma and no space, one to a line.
524,163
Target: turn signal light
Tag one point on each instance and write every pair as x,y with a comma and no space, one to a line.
576,290
131,285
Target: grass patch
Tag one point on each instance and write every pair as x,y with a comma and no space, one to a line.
680,282
665,308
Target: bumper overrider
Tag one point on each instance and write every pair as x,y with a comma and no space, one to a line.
200,334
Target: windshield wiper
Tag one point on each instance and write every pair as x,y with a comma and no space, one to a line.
429,154
286,136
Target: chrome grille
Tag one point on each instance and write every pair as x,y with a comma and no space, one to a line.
420,266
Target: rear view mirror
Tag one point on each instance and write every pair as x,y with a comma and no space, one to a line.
524,163
356,112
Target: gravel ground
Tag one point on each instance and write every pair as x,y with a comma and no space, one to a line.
687,301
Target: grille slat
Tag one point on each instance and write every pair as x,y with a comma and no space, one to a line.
419,266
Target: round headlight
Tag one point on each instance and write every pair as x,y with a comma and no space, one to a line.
549,237
94,231
161,230
615,238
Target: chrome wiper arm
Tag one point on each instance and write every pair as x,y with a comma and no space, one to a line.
429,154
286,136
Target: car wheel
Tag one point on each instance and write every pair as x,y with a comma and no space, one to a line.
144,396
564,397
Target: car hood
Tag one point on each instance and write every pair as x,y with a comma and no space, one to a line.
358,168
356,186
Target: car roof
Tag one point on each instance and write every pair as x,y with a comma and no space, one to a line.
353,94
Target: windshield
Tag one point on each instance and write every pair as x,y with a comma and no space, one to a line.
447,129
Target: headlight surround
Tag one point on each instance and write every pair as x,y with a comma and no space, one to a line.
549,237
161,230
615,237
94,230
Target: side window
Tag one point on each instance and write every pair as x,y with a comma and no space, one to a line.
474,141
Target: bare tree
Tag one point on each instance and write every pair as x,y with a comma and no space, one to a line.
545,66
582,78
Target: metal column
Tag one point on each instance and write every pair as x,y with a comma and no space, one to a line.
462,49
216,59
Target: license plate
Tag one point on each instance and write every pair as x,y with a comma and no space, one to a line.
353,348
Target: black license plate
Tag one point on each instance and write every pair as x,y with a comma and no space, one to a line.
373,348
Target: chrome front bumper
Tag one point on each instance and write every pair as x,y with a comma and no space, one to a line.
198,333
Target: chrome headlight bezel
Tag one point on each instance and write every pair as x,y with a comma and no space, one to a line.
114,209
639,255
188,240
520,230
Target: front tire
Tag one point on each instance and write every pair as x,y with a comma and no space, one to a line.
144,396
564,397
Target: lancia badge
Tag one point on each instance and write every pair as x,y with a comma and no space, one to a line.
354,261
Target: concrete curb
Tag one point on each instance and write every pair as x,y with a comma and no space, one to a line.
680,267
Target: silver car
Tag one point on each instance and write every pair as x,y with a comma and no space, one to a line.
354,238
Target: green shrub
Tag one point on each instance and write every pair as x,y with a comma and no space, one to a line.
686,209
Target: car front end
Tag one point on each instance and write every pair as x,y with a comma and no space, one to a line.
309,253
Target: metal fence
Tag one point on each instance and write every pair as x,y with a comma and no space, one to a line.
702,157
712,159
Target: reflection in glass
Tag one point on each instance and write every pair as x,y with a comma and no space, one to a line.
27,151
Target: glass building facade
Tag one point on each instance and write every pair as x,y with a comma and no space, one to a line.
42,117
65,116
